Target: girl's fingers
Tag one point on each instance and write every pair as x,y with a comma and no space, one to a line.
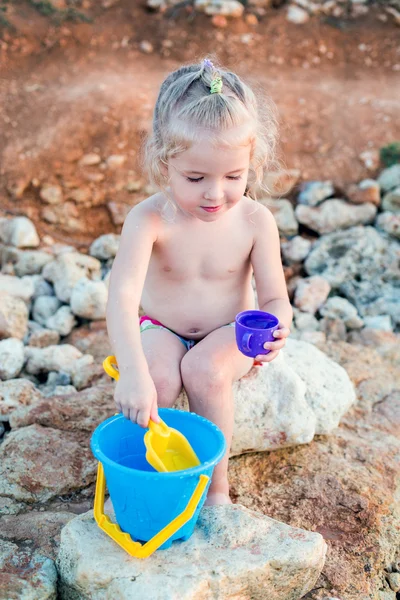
281,333
278,345
125,412
142,418
154,413
267,357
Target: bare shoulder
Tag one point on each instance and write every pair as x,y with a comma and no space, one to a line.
258,216
146,213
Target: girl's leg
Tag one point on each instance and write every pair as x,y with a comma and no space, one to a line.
163,351
208,371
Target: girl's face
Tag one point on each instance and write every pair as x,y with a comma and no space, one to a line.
208,180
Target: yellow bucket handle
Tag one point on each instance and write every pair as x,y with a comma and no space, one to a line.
124,540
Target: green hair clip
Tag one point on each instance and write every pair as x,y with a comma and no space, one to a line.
216,85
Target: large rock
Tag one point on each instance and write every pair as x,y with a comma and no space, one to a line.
26,576
89,299
45,307
19,232
390,178
105,246
51,358
284,215
362,265
39,463
345,486
23,287
11,358
233,553
391,201
335,214
286,402
13,317
68,269
31,262
14,394
314,192
63,321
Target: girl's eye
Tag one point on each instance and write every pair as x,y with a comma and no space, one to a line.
194,180
235,178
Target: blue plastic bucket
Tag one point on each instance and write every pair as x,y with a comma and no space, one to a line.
144,500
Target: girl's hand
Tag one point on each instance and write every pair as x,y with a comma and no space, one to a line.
136,398
280,334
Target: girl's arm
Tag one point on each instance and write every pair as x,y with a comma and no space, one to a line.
126,284
270,279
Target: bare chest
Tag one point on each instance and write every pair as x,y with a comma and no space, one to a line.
215,254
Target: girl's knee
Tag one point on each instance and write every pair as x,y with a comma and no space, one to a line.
202,372
168,386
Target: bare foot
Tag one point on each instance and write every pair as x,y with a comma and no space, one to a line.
215,498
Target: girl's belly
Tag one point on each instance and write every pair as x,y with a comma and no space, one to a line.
192,314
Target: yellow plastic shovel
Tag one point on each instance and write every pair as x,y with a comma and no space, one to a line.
167,448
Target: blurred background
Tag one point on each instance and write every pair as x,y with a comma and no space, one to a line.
80,77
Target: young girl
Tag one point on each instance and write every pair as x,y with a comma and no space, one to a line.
187,255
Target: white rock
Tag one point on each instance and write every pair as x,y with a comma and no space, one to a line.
13,317
390,223
52,358
312,337
44,337
11,358
23,287
390,178
42,288
380,322
314,192
63,321
68,269
340,308
240,551
311,293
335,214
51,194
227,8
297,15
45,307
78,370
284,215
19,232
286,402
31,262
89,299
296,249
105,246
391,201
115,161
305,321
15,393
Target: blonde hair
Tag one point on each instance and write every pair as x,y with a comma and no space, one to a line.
185,105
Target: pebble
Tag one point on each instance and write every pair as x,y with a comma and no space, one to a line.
297,15
51,194
89,160
146,47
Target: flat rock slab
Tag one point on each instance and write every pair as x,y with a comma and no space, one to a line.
234,553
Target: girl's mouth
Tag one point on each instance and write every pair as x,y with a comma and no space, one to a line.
211,208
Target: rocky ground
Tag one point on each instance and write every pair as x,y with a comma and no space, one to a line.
70,171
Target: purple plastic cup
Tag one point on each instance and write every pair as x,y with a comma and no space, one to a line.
253,328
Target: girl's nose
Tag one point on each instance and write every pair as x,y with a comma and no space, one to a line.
214,193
